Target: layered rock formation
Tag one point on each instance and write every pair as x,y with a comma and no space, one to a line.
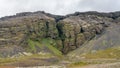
79,29
68,32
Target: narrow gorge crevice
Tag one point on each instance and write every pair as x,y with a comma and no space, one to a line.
59,27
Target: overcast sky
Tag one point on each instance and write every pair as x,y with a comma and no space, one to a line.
59,7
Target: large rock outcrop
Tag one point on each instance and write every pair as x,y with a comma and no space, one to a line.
67,32
76,30
16,31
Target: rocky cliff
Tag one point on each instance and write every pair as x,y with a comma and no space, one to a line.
32,31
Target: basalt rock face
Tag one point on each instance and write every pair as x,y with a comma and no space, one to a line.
76,30
69,32
16,31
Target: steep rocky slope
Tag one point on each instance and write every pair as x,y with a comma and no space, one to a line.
42,32
104,45
79,29
19,32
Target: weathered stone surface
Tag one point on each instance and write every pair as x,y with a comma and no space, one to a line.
69,32
16,31
79,29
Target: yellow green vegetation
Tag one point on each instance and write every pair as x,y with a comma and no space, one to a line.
107,53
76,64
48,44
5,61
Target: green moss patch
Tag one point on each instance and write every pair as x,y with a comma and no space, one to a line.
46,43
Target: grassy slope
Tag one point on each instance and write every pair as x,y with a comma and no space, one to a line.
48,43
45,43
108,53
6,61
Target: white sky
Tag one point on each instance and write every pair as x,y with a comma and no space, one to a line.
59,7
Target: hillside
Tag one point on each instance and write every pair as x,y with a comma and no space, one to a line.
78,35
105,44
